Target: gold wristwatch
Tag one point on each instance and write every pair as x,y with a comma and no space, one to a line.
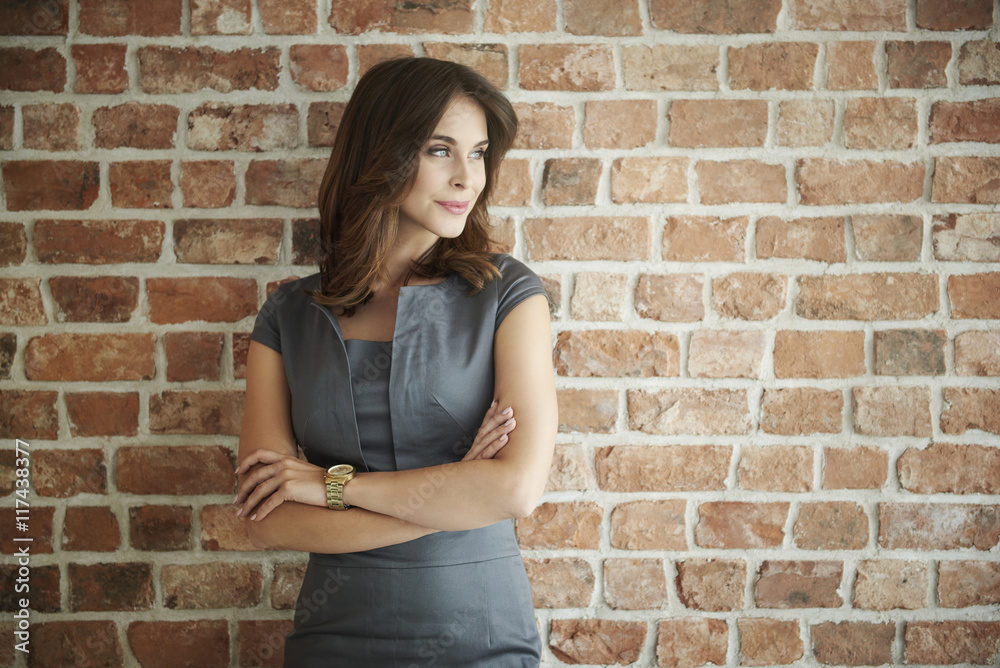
335,478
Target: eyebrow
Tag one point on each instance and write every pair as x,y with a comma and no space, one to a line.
449,140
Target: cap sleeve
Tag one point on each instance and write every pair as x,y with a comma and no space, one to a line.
517,284
265,327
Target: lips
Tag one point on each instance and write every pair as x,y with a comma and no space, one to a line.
456,208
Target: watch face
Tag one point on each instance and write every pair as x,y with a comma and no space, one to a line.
340,469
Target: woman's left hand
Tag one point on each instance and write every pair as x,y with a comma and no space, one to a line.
281,478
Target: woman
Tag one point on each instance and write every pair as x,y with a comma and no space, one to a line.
398,370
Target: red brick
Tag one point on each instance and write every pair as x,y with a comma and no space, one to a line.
322,122
767,642
955,15
799,584
805,122
617,353
208,184
567,181
969,237
600,641
28,70
910,352
801,410
649,525
574,525
97,299
704,239
114,18
688,642
98,241
318,67
813,354
603,17
887,123
241,346
292,182
725,354
560,583
100,68
211,585
164,69
867,296
741,181
193,355
661,67
820,239
103,413
148,126
733,525
674,297
258,127
66,473
141,184
831,525
221,17
6,128
620,124
887,237
513,16
90,357
51,127
711,584
888,584
749,296
572,67
979,63
970,408
571,469
977,120
489,60
288,17
544,126
974,295
706,16
28,415
776,65
8,348
776,468
592,411
40,532
75,643
192,412
635,584
824,181
970,180
305,240
938,526
694,411
855,15
221,529
851,66
967,583
857,467
891,411
107,587
917,64
286,584
588,238
159,528
662,468
227,241
977,353
90,528
21,302
513,185
34,185
212,299
952,642
203,643
416,17
648,180
174,470
262,643
32,19
717,123
853,643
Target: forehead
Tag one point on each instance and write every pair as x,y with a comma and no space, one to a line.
463,119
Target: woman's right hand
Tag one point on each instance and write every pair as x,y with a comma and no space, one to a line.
492,434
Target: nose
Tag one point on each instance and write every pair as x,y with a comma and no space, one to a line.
461,176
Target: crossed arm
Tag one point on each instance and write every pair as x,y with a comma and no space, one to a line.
503,475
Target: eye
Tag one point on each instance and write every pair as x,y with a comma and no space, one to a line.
479,153
438,151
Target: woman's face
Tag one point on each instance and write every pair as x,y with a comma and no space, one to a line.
450,175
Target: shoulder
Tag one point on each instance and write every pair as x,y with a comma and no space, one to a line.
512,270
294,293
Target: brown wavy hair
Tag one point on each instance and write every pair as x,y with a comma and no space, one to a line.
390,117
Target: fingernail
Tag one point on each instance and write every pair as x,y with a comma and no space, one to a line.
254,516
507,411
234,499
503,437
508,422
239,512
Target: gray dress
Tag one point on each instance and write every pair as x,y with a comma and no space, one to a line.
458,598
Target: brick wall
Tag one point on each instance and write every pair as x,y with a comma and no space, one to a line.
769,229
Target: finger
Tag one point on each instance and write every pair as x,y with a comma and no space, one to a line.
258,456
490,439
260,493
493,448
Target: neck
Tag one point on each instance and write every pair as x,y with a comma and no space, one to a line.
406,249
